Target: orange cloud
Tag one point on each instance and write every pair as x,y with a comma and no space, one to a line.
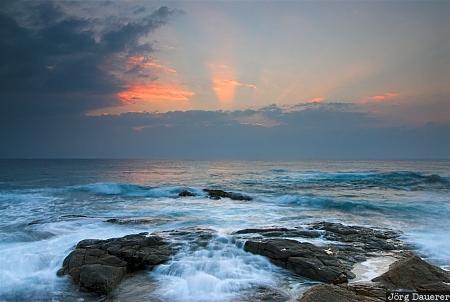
384,97
224,83
316,100
145,62
154,92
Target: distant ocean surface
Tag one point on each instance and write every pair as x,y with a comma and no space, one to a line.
47,206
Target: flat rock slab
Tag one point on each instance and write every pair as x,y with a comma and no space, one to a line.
343,293
304,259
280,232
369,239
99,265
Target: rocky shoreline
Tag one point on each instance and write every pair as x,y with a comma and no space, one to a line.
98,266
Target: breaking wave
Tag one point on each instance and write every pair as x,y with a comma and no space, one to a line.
133,190
361,206
394,180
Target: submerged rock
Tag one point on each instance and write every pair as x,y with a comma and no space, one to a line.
99,265
218,194
304,259
186,193
196,236
264,294
415,274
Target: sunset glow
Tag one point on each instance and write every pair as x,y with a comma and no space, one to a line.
145,62
384,97
224,83
154,92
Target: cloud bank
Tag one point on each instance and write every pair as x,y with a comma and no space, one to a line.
315,131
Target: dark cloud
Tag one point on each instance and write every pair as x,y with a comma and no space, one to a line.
318,132
48,57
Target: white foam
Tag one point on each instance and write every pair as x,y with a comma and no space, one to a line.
219,272
32,266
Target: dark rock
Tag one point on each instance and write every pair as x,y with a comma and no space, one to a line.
302,258
100,278
185,193
369,239
218,194
99,265
409,274
415,274
281,232
139,220
342,293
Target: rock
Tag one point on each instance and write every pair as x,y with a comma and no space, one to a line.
302,258
99,265
369,239
280,232
185,193
139,220
409,274
341,293
263,294
100,278
413,273
196,236
218,194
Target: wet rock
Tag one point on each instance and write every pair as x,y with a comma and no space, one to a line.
281,232
411,273
139,220
99,265
369,239
218,194
101,278
342,293
264,293
415,274
304,259
185,193
196,236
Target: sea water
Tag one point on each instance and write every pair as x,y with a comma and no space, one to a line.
47,206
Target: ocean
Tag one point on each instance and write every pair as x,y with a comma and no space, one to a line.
47,206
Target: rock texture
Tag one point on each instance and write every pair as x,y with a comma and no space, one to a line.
342,293
218,194
280,232
369,239
302,258
99,265
415,274
410,273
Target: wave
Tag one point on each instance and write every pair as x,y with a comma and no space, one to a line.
219,272
361,206
133,190
394,180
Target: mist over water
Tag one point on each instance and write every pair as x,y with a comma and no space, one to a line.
47,206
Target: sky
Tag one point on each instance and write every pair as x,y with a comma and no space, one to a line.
279,80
